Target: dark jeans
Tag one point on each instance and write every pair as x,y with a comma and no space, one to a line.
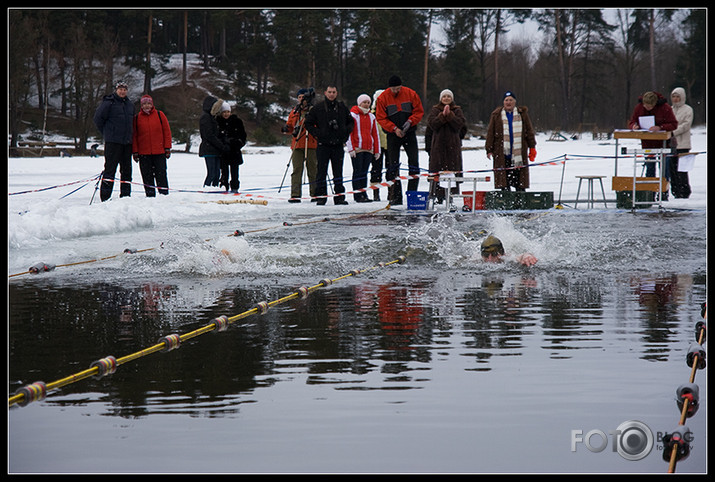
679,181
376,170
230,168
361,164
392,164
333,155
116,155
153,169
213,170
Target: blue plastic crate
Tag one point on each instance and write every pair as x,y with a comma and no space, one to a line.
417,200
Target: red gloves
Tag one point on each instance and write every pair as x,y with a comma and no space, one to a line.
532,154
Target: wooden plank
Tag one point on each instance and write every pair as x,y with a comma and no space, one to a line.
625,183
647,135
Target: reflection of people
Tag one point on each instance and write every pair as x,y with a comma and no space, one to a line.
303,147
509,135
679,182
232,132
113,119
398,111
655,105
493,251
331,123
446,127
151,146
363,145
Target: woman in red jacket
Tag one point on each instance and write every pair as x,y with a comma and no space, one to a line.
152,146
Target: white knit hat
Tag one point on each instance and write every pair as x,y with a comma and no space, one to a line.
446,91
225,107
362,98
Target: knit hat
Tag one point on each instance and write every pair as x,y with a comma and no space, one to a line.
394,81
509,93
446,92
301,92
225,107
492,246
146,99
120,83
362,98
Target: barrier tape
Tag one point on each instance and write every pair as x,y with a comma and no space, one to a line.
106,366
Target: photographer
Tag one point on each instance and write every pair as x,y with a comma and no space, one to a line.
330,123
303,146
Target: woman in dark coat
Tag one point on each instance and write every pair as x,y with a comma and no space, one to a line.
232,132
509,135
446,127
211,147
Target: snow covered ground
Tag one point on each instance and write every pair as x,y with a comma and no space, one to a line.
50,217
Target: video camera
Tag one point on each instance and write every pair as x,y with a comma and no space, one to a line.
305,103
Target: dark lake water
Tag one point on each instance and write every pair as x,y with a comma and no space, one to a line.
440,364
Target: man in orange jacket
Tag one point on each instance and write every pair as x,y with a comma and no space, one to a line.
398,111
303,147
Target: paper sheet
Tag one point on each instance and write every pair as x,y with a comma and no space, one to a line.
685,163
646,121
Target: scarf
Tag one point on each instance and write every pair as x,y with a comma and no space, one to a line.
512,146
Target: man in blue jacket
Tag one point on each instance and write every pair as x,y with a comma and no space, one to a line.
113,118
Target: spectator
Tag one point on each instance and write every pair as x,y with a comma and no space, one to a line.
679,181
509,135
303,146
398,111
113,118
446,127
330,123
363,145
231,132
378,162
212,147
151,146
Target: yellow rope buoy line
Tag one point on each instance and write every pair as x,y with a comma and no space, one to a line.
676,444
44,267
106,366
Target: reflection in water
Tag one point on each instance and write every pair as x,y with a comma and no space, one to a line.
370,363
335,335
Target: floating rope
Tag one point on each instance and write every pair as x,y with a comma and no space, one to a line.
106,366
676,444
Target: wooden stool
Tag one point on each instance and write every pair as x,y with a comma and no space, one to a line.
590,199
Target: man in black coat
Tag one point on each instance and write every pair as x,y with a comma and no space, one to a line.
113,119
330,123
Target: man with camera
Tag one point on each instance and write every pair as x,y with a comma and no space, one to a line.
330,123
303,146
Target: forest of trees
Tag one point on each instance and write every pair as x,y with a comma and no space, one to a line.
585,68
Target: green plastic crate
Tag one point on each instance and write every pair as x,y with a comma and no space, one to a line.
624,199
510,200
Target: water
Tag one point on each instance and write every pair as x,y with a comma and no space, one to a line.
440,364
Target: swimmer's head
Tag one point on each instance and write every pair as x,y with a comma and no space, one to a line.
492,247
